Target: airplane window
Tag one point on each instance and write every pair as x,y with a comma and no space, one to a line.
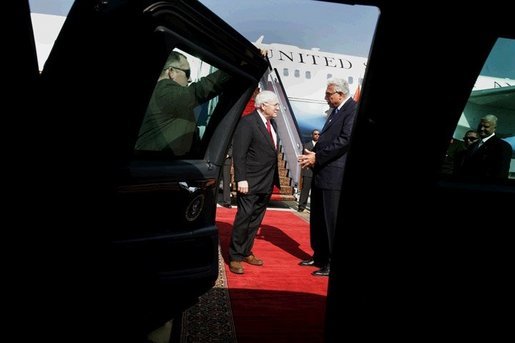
483,143
351,80
308,74
329,76
184,98
286,72
297,73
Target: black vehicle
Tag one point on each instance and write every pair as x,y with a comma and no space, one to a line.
420,264
140,221
420,257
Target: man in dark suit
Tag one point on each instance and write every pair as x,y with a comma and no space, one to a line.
307,173
488,159
328,162
254,155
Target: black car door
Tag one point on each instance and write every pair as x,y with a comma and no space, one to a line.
106,85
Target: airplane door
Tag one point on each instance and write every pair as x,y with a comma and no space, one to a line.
147,95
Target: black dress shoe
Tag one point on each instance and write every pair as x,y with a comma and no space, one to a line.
322,271
307,263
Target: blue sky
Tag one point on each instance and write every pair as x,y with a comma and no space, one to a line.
55,7
303,23
307,24
336,28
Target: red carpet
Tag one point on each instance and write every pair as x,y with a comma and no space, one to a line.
280,301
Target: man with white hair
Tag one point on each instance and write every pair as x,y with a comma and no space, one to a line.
256,171
488,159
328,160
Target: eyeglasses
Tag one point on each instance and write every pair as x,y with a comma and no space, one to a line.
327,94
470,138
186,71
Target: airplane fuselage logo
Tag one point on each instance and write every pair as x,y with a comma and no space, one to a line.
310,59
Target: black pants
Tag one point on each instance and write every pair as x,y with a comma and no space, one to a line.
251,211
324,213
304,193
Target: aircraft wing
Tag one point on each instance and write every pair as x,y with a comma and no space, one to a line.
502,98
497,101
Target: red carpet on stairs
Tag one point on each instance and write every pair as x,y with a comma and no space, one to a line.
280,301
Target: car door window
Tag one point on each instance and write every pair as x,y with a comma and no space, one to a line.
488,116
184,99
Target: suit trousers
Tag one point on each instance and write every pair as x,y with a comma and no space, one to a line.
324,214
250,214
304,193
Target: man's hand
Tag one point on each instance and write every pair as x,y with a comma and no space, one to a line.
243,187
307,160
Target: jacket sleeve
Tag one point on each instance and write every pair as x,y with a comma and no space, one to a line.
241,142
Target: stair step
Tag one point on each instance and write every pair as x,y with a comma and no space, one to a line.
282,197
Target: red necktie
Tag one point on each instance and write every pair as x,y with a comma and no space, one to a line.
270,131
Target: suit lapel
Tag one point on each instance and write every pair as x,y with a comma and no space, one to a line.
262,128
341,113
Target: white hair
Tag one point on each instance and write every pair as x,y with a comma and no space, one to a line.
490,118
340,85
265,97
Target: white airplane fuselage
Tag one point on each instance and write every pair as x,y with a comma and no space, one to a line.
304,73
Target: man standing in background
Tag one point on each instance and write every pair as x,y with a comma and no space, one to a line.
487,159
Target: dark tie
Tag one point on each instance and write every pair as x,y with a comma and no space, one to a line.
331,117
474,148
268,128
333,114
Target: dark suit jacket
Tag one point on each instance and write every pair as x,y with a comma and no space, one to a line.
332,146
491,161
307,171
254,155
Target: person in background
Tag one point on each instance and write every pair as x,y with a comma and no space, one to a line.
307,173
255,173
453,151
487,159
470,137
328,162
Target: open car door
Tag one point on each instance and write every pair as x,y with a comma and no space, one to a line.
148,160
